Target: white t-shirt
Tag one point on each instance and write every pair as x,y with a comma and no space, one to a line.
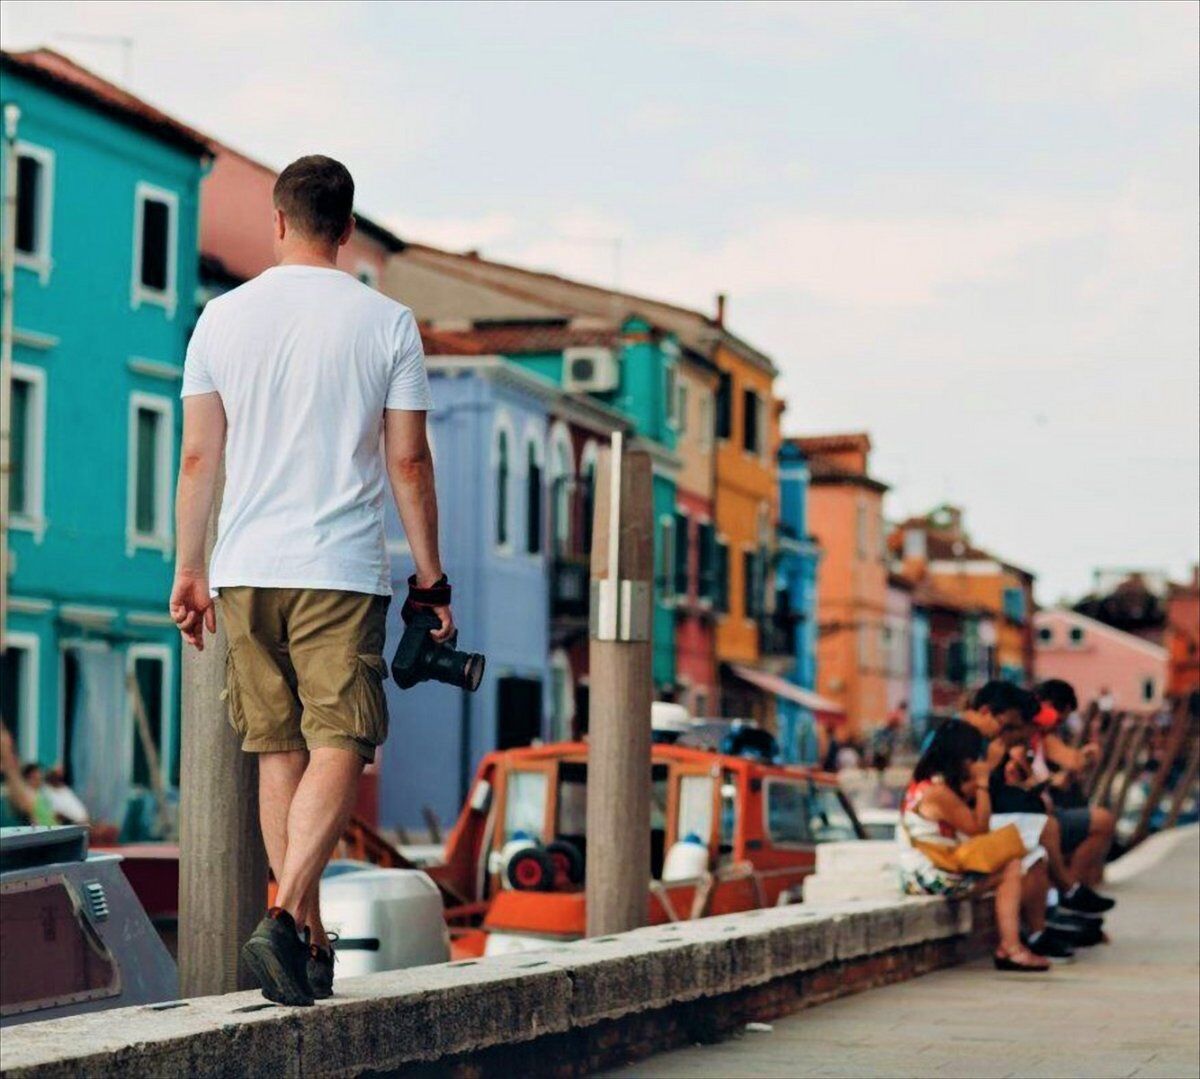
305,359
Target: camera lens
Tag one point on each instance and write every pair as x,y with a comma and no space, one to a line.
445,664
473,671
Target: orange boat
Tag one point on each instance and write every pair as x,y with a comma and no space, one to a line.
728,833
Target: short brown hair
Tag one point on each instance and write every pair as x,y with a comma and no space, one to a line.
317,195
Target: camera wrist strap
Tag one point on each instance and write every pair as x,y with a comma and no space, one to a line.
436,595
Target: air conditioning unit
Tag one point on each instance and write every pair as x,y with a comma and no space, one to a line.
590,369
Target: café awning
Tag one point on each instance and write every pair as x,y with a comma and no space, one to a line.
781,687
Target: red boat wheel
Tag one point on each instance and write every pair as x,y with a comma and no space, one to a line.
531,871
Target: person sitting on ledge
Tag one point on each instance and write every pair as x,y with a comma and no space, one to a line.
1087,832
945,805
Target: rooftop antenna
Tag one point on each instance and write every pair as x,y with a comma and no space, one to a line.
122,41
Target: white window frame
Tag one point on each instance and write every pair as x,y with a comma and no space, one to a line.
503,426
704,398
666,543
671,393
139,293
367,273
34,518
163,539
41,261
561,722
560,464
534,440
27,720
162,653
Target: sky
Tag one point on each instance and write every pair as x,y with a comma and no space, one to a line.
970,230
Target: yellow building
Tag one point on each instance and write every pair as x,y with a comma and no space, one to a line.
747,500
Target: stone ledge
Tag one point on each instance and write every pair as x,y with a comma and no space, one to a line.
402,1020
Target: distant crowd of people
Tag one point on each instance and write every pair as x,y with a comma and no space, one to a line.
996,801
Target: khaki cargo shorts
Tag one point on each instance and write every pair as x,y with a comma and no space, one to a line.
305,668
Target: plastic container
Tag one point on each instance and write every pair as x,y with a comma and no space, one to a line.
386,919
686,860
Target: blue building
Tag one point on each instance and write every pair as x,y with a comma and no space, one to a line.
494,434
920,698
105,279
796,607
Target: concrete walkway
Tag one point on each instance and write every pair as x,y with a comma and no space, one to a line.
1130,1008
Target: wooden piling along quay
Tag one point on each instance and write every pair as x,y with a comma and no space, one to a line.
1128,748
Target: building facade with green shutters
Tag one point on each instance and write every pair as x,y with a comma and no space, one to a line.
105,277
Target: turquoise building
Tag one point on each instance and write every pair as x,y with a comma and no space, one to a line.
643,389
104,301
796,605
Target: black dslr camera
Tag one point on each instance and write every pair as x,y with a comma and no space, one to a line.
419,657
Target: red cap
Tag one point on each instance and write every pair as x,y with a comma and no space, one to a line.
1047,717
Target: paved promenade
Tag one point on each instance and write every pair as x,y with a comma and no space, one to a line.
1129,1008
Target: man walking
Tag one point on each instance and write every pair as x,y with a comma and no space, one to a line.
294,377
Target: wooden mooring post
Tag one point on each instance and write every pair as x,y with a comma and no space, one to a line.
618,804
222,861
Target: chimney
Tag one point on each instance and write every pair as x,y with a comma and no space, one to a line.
720,319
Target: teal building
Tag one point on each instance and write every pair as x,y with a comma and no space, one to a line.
105,279
643,388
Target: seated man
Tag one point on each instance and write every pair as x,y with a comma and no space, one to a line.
1018,786
1087,833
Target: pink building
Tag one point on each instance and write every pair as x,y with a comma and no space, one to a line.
235,226
1094,657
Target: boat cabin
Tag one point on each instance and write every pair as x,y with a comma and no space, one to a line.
728,833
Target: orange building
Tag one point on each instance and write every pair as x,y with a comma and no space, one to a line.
937,547
1183,637
845,508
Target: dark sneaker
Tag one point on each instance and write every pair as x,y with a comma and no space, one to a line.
277,957
1083,900
320,967
1074,931
1049,945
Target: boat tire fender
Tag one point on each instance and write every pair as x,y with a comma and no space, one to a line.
568,862
531,870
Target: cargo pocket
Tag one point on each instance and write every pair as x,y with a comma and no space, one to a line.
233,698
370,709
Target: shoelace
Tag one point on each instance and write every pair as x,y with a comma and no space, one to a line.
315,950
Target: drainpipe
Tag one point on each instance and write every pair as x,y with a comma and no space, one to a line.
12,117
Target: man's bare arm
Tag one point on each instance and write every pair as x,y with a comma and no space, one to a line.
200,458
410,472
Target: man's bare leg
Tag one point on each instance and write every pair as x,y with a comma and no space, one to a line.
1087,862
279,775
320,809
310,915
1060,873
